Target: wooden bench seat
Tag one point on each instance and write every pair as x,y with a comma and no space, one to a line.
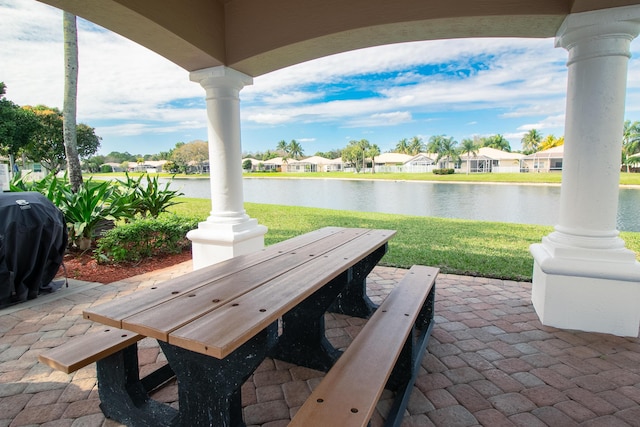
386,352
81,351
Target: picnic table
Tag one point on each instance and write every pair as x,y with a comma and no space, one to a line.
215,325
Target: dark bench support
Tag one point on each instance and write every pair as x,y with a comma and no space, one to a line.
385,354
124,395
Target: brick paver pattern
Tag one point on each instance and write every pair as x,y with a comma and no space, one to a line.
489,362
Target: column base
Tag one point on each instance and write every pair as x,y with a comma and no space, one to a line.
214,242
587,290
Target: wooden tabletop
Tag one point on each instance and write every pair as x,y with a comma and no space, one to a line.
216,309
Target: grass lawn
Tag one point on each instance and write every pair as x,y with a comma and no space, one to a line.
475,248
521,178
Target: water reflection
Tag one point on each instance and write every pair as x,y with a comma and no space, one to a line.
524,204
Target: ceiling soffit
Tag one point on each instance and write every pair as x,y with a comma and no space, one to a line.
259,36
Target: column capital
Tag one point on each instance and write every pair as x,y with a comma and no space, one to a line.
220,77
597,33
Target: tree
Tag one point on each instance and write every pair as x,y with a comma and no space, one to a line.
469,147
117,157
402,146
194,153
294,149
496,141
551,141
373,151
363,145
435,142
443,147
354,154
630,142
331,154
46,144
70,99
531,141
93,163
416,146
282,147
17,126
170,167
163,155
448,151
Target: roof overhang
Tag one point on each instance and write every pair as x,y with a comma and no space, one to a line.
259,36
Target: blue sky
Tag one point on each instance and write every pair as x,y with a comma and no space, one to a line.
141,103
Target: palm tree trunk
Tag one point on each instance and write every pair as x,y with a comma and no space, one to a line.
70,99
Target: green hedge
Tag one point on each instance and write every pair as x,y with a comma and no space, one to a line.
448,171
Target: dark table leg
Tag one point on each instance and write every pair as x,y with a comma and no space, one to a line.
353,300
303,341
123,396
209,388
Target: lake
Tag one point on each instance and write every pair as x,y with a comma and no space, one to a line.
522,204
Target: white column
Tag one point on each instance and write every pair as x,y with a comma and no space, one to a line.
228,231
584,278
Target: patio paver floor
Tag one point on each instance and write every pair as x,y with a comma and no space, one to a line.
489,362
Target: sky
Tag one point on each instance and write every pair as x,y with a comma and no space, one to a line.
141,103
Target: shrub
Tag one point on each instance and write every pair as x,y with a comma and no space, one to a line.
88,209
51,186
150,198
144,237
446,171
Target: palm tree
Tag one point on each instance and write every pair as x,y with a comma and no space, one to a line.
402,146
449,150
498,142
469,147
630,142
363,145
282,147
70,99
551,141
435,144
416,146
531,141
373,152
294,149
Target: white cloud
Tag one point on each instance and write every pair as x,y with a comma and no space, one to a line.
293,97
134,129
514,137
523,80
118,79
528,127
520,74
381,119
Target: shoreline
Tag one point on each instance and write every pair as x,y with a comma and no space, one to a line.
552,184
